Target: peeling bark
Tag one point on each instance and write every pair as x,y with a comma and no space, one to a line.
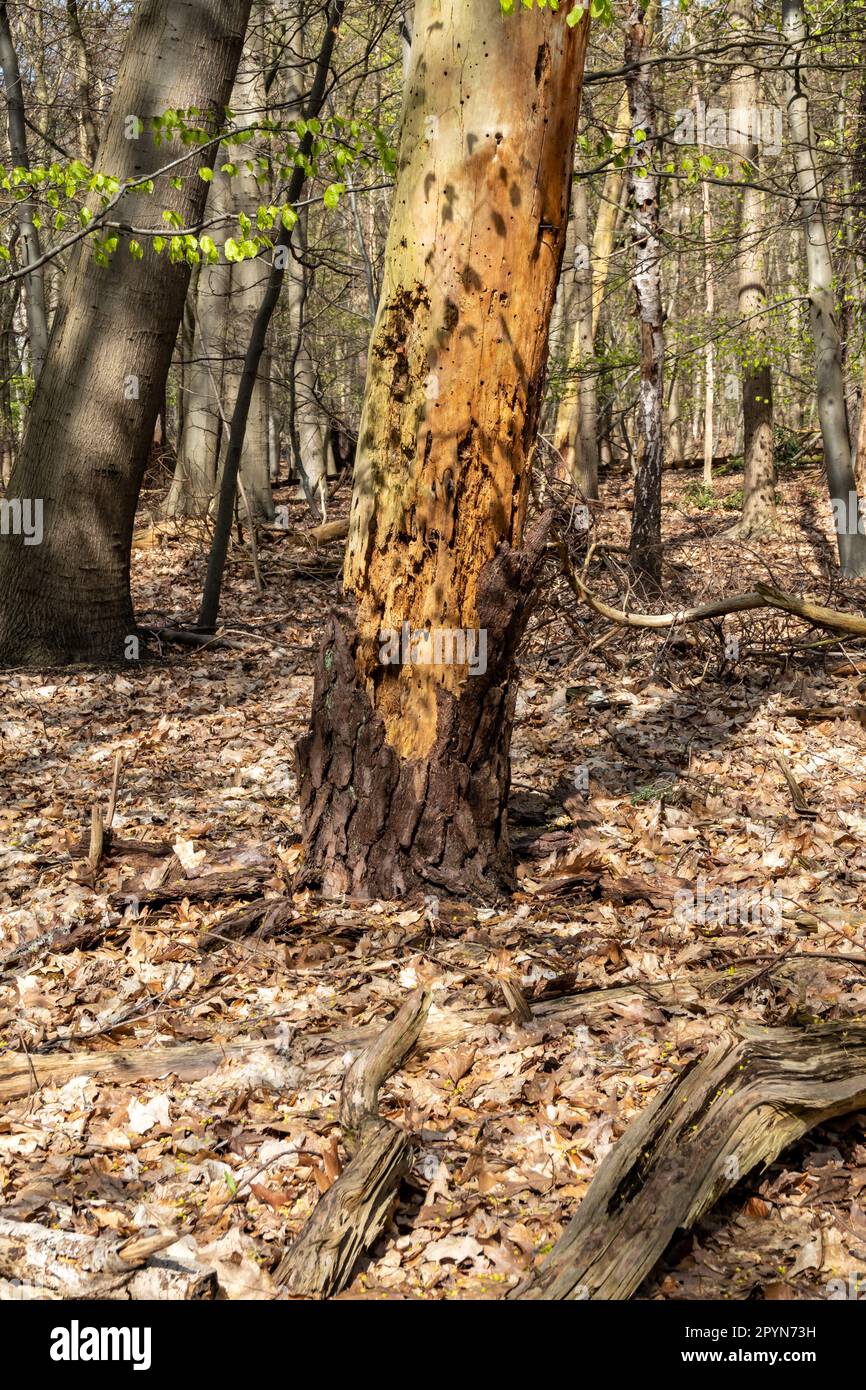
404,776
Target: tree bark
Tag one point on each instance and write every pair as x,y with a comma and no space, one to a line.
575,431
404,774
37,319
759,471
645,544
830,380
88,138
91,423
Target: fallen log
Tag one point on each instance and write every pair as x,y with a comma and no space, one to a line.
22,1073
756,1092
350,1215
234,883
36,1262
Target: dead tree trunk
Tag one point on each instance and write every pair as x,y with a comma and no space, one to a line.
751,1097
404,775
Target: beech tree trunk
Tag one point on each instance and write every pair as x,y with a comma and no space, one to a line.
645,545
824,314
91,423
404,775
759,474
227,297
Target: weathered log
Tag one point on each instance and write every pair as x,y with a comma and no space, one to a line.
23,1073
349,1217
756,1092
36,1262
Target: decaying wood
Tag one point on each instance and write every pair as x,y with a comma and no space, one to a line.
235,883
21,1073
330,531
353,1211
756,1092
94,853
36,1262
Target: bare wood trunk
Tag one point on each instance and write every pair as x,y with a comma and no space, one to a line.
404,775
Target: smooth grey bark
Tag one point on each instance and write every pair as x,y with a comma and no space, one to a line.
90,425
759,472
88,138
37,319
830,379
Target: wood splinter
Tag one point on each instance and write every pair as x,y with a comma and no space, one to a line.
349,1217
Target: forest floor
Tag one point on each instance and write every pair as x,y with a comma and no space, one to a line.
645,766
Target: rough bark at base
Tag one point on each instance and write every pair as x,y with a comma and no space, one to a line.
404,778
379,824
747,1100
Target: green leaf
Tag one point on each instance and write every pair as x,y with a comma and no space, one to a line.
332,194
205,174
575,16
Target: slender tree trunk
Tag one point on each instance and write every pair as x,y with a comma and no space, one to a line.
575,431
830,379
87,137
759,470
37,319
91,422
404,775
673,422
645,545
577,417
709,294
